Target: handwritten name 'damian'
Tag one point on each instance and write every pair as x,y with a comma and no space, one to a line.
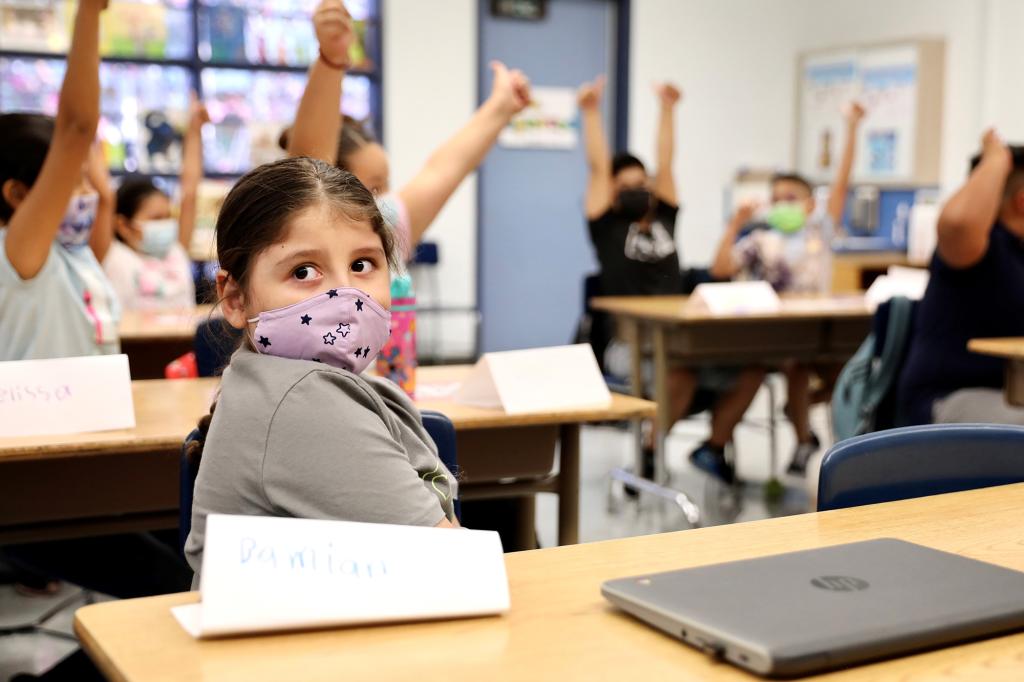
325,560
19,393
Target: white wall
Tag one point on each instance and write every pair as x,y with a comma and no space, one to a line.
430,91
736,60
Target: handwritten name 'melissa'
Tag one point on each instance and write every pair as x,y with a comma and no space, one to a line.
24,393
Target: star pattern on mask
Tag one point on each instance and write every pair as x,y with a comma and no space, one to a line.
264,341
366,352
344,329
332,293
329,339
359,352
306,319
359,305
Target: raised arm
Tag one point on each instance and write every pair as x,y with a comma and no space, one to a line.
967,218
664,181
448,166
599,158
191,170
724,266
318,121
35,222
841,183
99,177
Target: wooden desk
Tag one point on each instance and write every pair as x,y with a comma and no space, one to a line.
86,484
807,328
1012,350
560,628
854,271
152,339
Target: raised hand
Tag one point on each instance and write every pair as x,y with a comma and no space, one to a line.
589,94
511,89
668,93
334,31
854,112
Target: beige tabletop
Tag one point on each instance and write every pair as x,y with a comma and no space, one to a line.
679,308
167,410
560,628
1008,348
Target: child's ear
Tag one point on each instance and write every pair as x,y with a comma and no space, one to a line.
14,192
232,300
122,227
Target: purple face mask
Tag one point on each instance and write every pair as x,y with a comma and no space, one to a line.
78,219
343,327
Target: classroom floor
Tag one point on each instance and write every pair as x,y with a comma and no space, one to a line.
602,516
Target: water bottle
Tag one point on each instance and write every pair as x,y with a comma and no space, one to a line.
397,359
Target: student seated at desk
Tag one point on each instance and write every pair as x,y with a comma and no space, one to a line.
632,223
306,259
321,134
55,301
976,290
790,247
149,264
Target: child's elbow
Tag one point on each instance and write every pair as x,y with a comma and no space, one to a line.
77,125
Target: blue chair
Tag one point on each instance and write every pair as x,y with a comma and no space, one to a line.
437,425
919,460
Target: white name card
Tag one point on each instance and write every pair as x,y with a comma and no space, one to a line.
735,298
536,380
263,574
66,395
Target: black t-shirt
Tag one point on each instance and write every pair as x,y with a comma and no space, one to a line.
634,261
985,300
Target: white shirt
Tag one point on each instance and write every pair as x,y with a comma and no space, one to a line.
145,282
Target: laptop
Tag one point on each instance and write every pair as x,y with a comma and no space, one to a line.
805,612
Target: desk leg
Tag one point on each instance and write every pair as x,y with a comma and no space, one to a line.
1015,382
569,484
664,420
633,332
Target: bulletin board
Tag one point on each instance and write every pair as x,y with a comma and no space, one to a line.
900,84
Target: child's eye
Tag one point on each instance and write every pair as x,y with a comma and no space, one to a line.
305,273
363,266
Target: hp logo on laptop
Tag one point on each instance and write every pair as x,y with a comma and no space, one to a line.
840,583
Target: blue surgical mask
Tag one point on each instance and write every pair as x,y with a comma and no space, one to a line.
158,236
76,225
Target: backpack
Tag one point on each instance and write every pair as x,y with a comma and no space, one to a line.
869,379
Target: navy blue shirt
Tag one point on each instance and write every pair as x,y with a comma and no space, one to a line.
984,300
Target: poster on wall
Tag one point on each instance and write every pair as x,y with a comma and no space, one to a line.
885,81
547,123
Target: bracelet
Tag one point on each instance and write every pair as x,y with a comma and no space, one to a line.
337,66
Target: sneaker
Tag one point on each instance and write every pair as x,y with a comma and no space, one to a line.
647,470
802,454
711,460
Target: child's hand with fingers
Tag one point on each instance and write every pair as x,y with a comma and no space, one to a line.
96,170
334,31
668,94
855,112
197,112
745,213
589,94
511,89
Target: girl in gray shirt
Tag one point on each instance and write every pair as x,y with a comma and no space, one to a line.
306,259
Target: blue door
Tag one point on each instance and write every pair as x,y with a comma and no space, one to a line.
534,250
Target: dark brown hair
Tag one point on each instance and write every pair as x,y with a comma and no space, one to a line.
354,136
256,212
24,144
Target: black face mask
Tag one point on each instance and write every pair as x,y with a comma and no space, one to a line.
634,204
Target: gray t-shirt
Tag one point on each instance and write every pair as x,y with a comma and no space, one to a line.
302,439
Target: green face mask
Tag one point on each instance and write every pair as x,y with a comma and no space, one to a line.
787,217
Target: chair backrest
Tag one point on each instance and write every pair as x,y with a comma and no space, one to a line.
214,342
917,461
440,428
442,432
187,472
